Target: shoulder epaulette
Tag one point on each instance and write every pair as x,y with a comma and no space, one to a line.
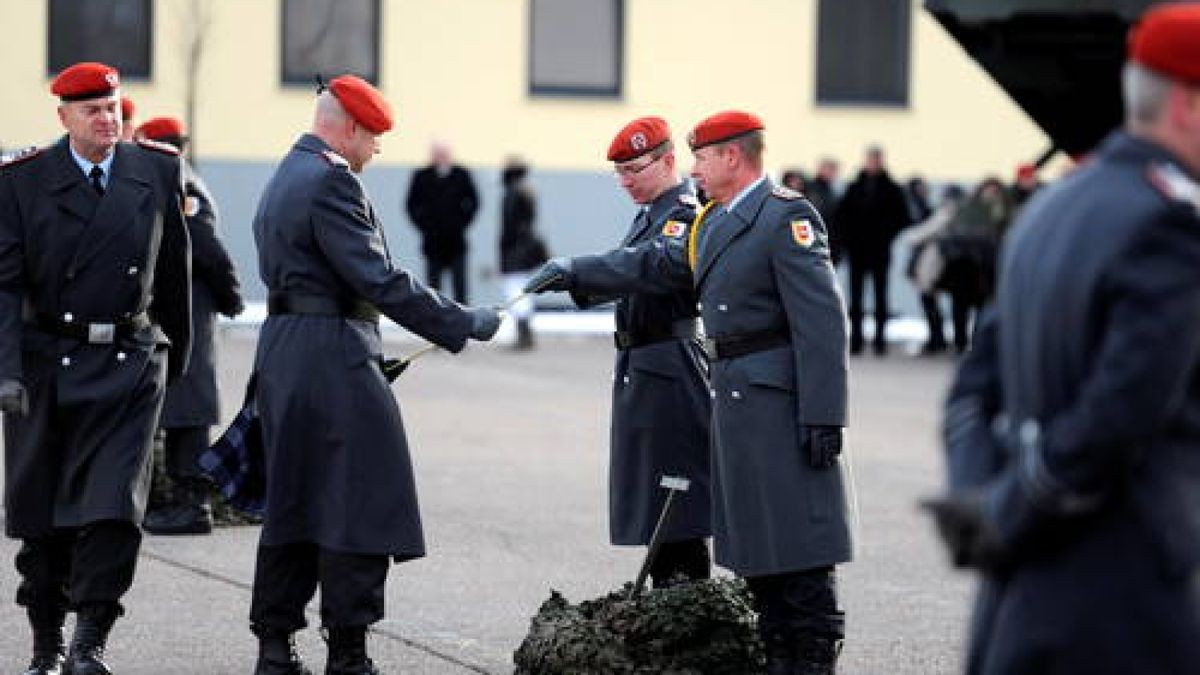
1174,184
785,193
22,156
334,158
165,148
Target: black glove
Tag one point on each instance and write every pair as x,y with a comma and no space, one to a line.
13,399
822,444
485,321
554,275
231,305
392,368
962,523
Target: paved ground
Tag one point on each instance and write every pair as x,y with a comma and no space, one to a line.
510,453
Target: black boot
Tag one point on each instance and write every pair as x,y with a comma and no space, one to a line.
817,655
93,621
48,649
277,653
780,656
524,335
189,512
348,652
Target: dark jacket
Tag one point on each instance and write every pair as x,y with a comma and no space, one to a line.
1094,487
870,215
442,207
521,249
764,266
660,405
193,401
338,468
81,454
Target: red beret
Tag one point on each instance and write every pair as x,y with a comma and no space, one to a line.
363,102
1167,40
85,80
722,127
127,108
158,128
637,138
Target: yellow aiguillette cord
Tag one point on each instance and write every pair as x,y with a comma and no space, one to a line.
693,236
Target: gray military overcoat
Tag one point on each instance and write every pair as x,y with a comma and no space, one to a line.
765,266
338,468
660,400
82,453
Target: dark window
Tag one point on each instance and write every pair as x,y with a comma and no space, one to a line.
330,38
575,47
115,32
862,52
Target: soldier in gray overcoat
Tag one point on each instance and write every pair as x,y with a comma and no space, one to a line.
341,499
660,406
191,404
758,258
94,322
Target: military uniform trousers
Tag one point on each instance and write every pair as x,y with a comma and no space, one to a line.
287,576
72,566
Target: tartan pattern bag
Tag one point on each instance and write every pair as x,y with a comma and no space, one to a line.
236,462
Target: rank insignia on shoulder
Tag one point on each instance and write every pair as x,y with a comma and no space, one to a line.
785,193
334,158
674,229
802,232
20,156
689,199
1174,184
160,147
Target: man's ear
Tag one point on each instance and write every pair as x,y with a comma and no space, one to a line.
62,114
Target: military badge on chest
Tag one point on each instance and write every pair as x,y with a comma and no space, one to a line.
674,229
802,232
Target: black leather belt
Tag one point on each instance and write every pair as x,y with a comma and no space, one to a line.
683,329
740,344
91,332
320,305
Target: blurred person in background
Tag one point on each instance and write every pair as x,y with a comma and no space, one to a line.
926,265
823,193
521,248
969,246
442,202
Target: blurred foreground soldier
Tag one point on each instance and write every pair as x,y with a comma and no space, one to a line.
661,405
341,499
191,405
127,112
441,202
93,301
777,340
1083,510
521,249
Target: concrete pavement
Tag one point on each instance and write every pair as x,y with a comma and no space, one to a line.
510,452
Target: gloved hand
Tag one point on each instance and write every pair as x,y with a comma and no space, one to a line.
231,305
554,275
392,368
822,444
13,398
485,321
962,523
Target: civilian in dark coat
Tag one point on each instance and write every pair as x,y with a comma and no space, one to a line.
191,405
1073,431
869,216
341,498
441,203
94,321
521,249
822,192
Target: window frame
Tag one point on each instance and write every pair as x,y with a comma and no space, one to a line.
288,82
127,75
902,61
615,91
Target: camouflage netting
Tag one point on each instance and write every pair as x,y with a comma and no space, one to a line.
698,628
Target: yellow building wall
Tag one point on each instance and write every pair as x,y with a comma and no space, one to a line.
457,70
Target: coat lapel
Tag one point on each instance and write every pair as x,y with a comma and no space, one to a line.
68,187
729,226
119,209
640,222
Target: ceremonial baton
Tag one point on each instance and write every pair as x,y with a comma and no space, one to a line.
674,485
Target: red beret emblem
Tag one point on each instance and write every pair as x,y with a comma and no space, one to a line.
638,141
111,78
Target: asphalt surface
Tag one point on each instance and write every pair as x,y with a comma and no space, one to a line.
510,451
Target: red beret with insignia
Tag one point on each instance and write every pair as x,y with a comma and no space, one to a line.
159,128
637,138
127,108
1167,41
722,127
85,80
363,102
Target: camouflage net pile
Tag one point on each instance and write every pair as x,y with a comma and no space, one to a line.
697,628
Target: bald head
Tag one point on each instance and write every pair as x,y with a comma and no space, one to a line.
335,126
